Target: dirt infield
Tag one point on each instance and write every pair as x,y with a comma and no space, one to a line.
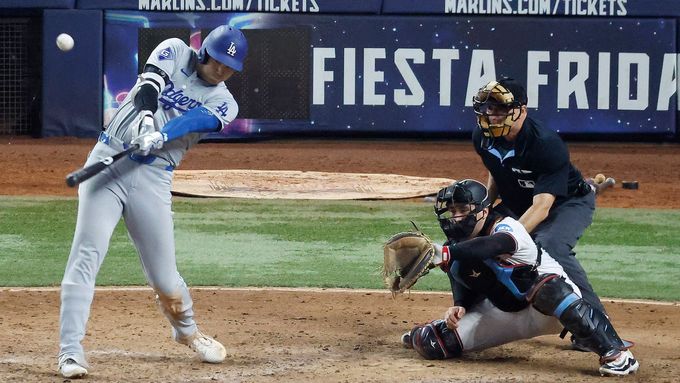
38,166
277,335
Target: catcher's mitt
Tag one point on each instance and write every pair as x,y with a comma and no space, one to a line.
408,256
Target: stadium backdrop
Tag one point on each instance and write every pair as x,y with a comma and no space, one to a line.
604,68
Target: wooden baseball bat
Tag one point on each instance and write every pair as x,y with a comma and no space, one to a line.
90,171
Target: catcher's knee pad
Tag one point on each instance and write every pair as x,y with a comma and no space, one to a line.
556,297
435,341
550,293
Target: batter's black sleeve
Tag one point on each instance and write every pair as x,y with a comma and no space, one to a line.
147,95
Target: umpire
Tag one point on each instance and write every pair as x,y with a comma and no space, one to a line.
530,170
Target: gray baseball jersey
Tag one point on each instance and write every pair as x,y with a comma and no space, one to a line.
183,92
140,193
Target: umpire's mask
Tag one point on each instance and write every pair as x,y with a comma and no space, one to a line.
498,98
457,207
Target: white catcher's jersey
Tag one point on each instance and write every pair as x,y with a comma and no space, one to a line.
485,325
527,252
183,91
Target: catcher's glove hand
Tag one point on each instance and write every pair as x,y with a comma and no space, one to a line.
408,256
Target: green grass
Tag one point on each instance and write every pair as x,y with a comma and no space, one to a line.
234,242
633,247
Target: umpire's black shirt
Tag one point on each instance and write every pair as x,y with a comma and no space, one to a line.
536,162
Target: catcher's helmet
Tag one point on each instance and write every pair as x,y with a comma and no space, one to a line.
225,44
498,98
467,197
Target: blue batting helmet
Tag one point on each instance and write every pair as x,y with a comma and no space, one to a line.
227,45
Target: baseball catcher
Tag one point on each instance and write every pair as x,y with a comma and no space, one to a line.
505,286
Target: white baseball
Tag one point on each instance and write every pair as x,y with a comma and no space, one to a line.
65,42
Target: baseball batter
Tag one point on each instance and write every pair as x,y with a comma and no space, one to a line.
179,97
505,288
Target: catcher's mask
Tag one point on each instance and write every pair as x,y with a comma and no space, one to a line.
457,207
498,98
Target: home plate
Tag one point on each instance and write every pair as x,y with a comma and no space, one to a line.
293,184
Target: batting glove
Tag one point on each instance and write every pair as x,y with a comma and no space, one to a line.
149,141
142,124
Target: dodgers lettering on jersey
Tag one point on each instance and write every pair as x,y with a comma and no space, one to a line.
183,91
177,99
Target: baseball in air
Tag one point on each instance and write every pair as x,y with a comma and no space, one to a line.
599,178
65,42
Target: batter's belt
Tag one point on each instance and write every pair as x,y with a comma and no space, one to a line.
118,144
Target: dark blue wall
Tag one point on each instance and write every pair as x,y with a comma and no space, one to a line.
45,4
72,80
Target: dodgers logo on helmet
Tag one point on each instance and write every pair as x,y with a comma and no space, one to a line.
231,51
227,45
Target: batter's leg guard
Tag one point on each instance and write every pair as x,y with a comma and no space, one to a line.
435,341
557,298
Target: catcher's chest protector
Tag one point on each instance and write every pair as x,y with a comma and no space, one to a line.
478,277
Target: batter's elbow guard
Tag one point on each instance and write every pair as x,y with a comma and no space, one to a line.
436,341
146,98
151,83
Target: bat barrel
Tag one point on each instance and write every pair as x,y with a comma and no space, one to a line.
72,179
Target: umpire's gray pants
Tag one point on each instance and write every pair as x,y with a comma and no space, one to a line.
558,234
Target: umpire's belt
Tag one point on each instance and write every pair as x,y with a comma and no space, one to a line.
118,144
582,189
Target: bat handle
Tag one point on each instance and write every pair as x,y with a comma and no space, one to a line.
88,172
